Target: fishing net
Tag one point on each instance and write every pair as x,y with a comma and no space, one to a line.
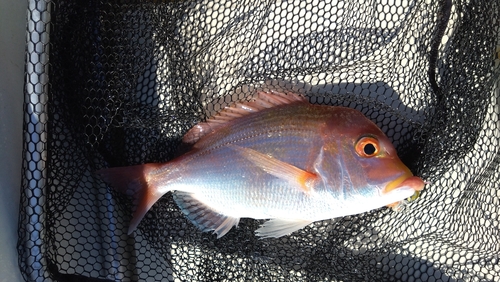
115,83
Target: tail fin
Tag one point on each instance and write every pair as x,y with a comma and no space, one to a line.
133,181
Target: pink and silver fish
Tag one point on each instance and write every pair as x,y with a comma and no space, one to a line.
277,157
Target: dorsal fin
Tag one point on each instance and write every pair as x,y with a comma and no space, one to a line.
264,100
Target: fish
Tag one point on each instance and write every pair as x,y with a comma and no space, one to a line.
276,157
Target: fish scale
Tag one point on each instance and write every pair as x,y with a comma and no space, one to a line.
246,175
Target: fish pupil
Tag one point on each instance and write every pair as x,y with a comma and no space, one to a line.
369,149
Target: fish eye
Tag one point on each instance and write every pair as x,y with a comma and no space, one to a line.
367,147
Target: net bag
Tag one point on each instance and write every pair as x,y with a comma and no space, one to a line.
117,83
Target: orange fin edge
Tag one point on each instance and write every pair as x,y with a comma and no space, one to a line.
304,179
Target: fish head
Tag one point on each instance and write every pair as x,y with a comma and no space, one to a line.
367,155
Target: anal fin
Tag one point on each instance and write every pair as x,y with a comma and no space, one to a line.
275,228
203,216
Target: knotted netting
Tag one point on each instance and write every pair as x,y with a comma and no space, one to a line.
117,83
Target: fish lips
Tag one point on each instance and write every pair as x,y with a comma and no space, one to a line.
404,187
405,181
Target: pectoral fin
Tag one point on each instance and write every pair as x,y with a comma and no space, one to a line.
282,170
275,228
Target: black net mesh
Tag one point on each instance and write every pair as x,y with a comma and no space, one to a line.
115,83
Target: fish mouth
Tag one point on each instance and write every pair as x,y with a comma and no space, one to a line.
410,181
404,181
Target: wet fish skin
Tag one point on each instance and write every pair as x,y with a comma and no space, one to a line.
291,162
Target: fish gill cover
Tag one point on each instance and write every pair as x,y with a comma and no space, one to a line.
117,83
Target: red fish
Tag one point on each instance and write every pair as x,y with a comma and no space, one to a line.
277,157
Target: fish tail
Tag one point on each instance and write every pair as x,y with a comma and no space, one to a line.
133,181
